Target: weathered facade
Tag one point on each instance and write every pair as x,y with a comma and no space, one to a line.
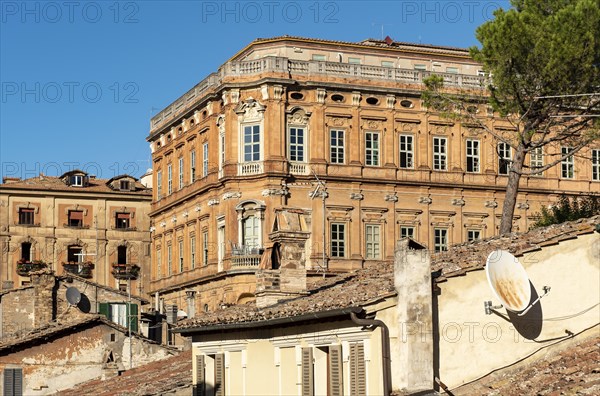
338,130
94,228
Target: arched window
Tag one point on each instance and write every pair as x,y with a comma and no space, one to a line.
250,218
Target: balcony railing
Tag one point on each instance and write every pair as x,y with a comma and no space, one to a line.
246,261
80,269
24,268
299,168
250,168
125,271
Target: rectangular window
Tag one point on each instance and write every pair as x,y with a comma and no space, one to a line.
440,155
504,158
567,165
158,263
387,64
440,241
169,179
180,173
453,70
473,235
355,61
406,152
338,240
372,148
205,160
192,166
407,232
26,216
251,143
296,145
336,146
472,156
122,220
536,160
159,184
75,218
180,245
205,248
193,251
169,259
318,57
77,180
420,67
13,381
124,185
373,241
596,164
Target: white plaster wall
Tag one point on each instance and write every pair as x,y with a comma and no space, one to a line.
472,344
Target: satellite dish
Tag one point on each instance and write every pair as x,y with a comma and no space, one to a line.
508,280
73,295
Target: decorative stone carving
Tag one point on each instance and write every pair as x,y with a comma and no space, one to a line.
152,229
390,101
425,200
163,224
274,191
174,219
491,204
355,98
298,117
198,208
250,110
277,92
213,202
407,126
235,96
231,195
185,214
225,98
209,108
337,121
321,93
357,196
458,202
523,205
264,91
391,198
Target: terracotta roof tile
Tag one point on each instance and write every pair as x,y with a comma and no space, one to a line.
52,183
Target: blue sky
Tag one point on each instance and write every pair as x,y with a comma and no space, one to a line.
80,80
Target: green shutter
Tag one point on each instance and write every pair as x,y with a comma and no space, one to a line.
336,387
307,372
219,374
133,317
104,309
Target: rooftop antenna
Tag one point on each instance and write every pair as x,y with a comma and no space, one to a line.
509,283
320,191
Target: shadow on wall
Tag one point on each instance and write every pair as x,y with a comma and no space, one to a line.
530,324
84,304
205,390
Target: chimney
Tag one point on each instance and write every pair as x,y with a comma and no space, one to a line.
8,180
282,273
43,282
412,280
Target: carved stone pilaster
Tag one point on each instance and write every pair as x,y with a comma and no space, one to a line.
321,93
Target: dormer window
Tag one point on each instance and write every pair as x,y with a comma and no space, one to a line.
77,180
125,185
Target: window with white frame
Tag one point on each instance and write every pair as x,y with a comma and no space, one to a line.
567,165
596,164
372,148
250,229
440,153
169,178
193,251
440,239
504,158
407,232
372,241
205,160
169,259
336,145
204,248
192,166
296,144
473,235
536,160
159,184
180,173
251,143
180,243
406,151
338,240
250,214
472,155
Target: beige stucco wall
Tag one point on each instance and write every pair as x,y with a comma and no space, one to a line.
472,344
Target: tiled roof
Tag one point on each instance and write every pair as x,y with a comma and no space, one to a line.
52,183
157,378
142,300
573,370
375,281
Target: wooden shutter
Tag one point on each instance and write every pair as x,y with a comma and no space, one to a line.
133,317
219,374
13,382
199,386
307,372
336,386
104,309
358,380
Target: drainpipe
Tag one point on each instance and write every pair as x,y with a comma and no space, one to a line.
385,348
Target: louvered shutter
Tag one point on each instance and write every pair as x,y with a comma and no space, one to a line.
307,372
336,387
133,317
104,309
13,382
199,388
219,374
358,381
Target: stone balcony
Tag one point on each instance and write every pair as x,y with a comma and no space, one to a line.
125,271
25,267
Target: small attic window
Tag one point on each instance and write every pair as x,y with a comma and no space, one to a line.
179,131
204,113
337,98
192,122
406,104
296,96
76,180
472,109
158,144
372,100
125,185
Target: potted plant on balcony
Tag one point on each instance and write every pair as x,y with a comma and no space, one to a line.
24,267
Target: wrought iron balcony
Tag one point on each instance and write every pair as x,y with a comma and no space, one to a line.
125,271
25,267
80,269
